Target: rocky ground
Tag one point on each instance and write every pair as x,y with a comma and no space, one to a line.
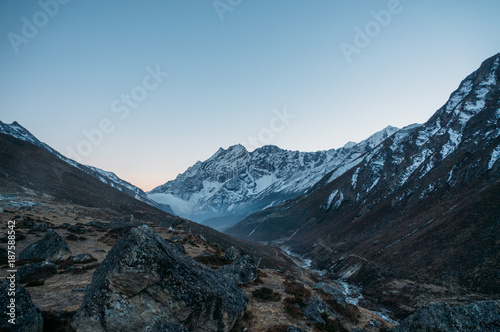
277,299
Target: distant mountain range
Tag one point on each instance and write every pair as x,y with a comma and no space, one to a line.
425,203
109,178
234,183
29,172
409,215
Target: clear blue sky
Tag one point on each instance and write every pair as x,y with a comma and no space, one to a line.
228,78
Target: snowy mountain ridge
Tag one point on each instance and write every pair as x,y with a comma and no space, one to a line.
456,146
417,149
235,182
424,204
16,130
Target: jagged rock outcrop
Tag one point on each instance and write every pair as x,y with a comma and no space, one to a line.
180,248
337,294
27,316
478,316
144,277
426,195
233,183
36,273
232,253
51,247
109,178
42,227
242,271
315,309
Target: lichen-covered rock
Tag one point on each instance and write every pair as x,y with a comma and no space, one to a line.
232,253
164,325
144,278
27,316
180,248
36,273
335,292
242,271
42,227
209,259
314,310
83,259
51,247
478,316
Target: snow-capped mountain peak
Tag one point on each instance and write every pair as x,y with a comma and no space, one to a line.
235,182
349,145
427,196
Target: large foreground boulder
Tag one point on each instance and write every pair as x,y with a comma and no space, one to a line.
26,315
478,316
50,247
144,280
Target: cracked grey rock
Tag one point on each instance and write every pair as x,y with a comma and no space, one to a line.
144,278
50,247
28,317
242,271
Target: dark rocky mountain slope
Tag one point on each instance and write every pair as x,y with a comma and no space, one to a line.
235,183
26,168
16,130
116,276
423,205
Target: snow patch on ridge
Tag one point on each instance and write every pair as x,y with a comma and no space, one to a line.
332,196
459,95
495,155
417,161
344,168
427,133
451,145
373,185
354,179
